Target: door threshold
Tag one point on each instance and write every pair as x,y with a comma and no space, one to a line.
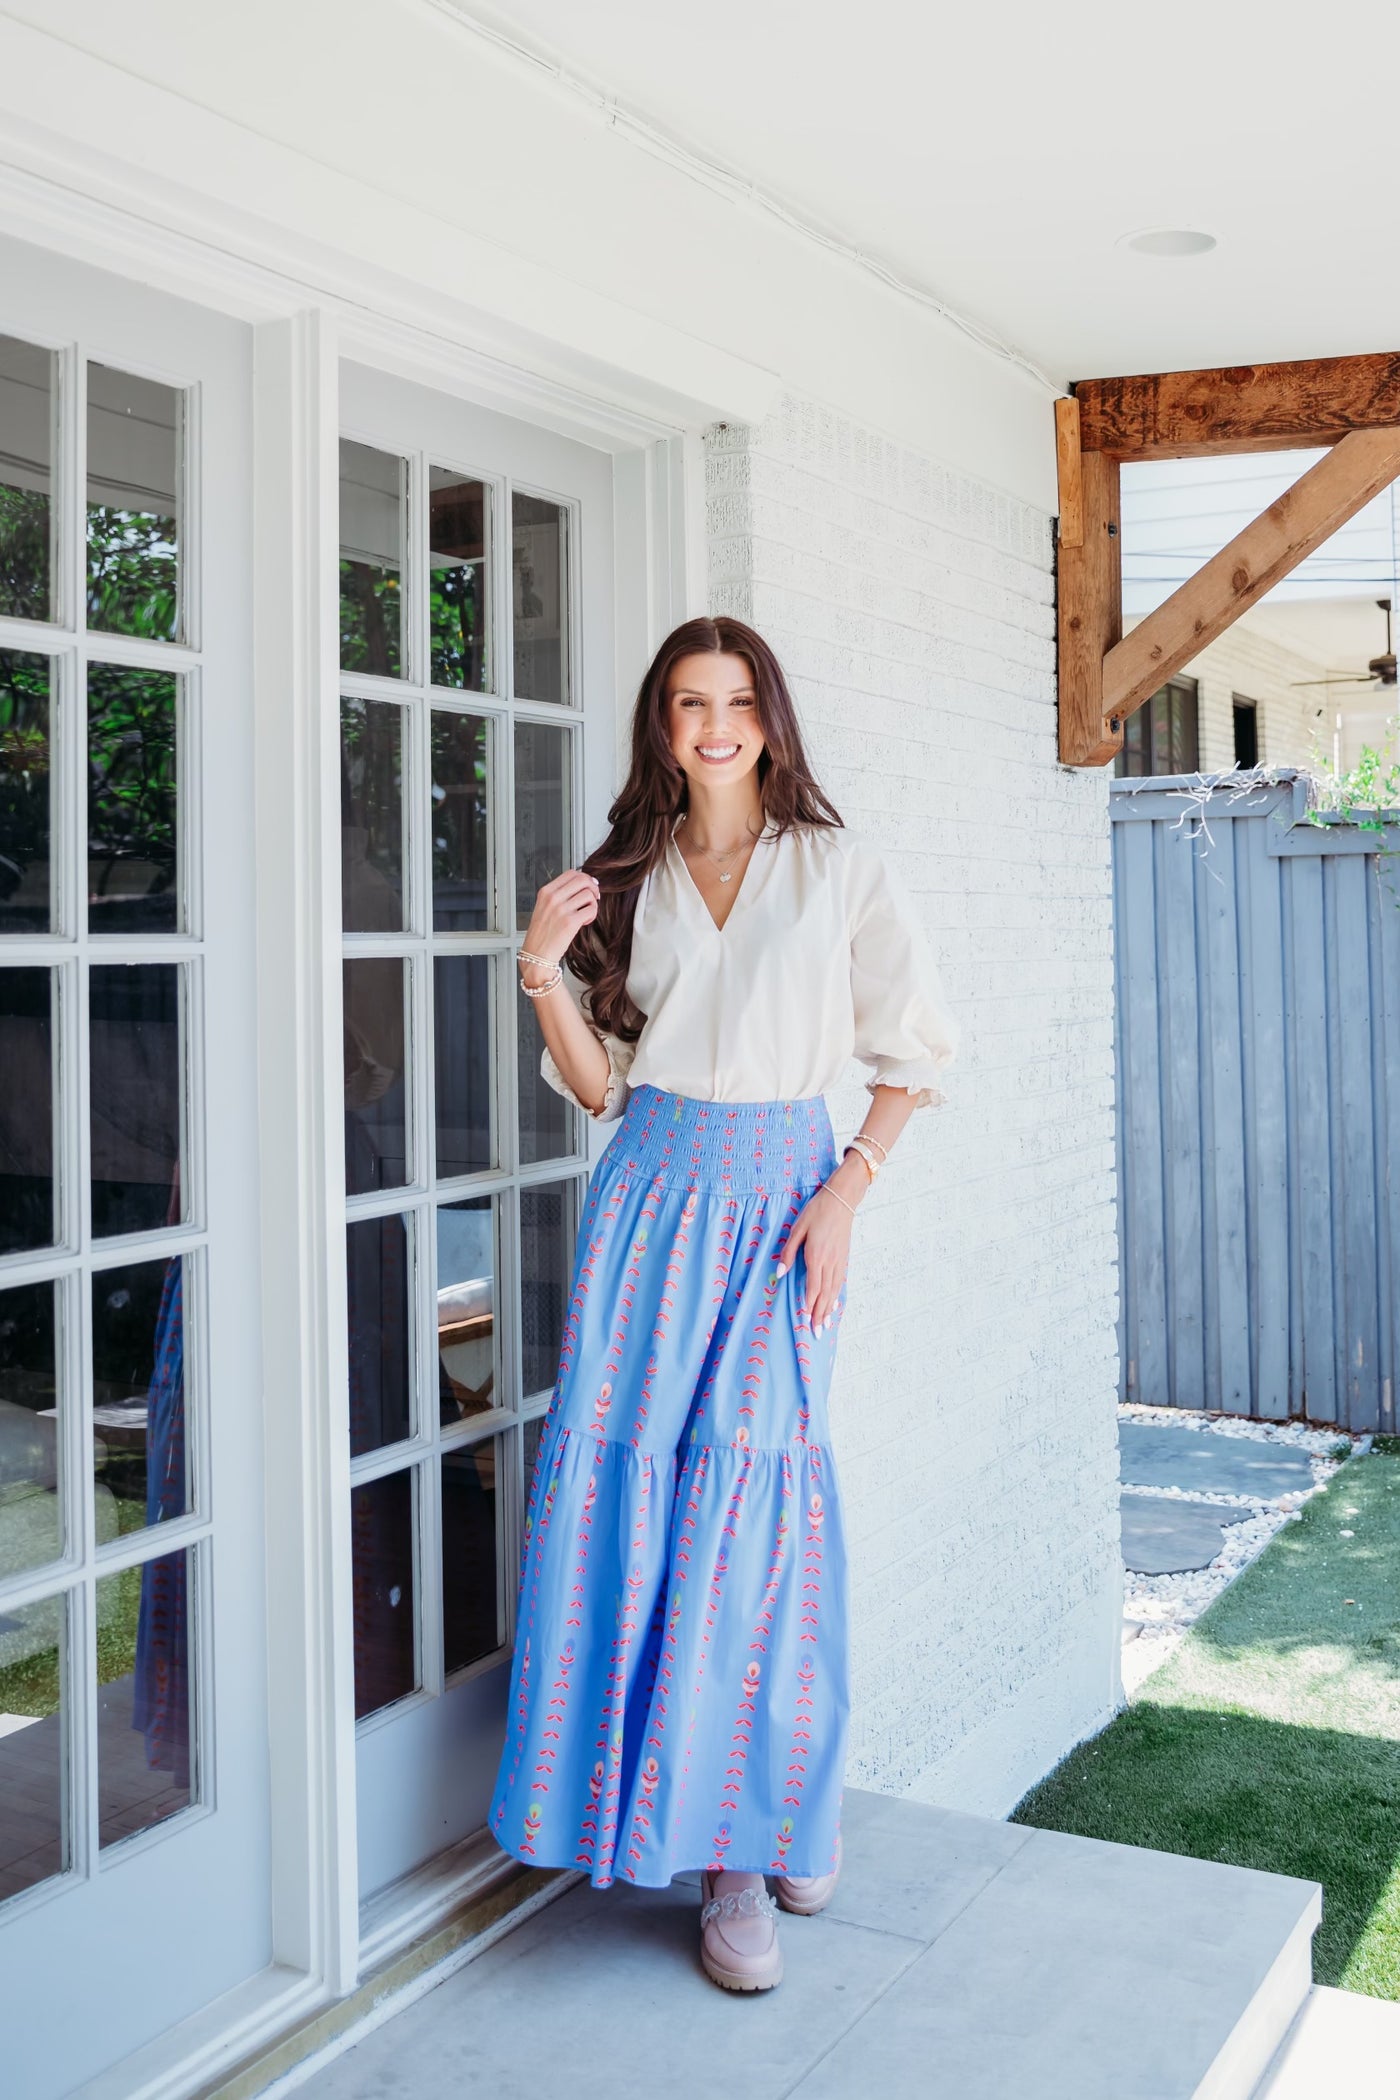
414,1935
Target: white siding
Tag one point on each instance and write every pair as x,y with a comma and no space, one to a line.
974,1406
1256,667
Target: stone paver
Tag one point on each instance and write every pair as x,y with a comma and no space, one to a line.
1212,1465
962,1956
1165,1536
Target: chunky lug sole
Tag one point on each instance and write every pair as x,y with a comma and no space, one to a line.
758,1977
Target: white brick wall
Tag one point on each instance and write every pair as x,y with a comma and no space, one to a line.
974,1406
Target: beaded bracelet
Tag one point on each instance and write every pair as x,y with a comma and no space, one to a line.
839,1197
867,1137
542,991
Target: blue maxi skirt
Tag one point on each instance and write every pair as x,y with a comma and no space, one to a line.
678,1693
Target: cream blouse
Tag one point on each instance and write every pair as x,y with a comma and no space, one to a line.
821,958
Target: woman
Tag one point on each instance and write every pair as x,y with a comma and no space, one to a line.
679,1693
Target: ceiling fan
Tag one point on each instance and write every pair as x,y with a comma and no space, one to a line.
1380,670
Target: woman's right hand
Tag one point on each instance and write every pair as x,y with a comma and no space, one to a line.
561,908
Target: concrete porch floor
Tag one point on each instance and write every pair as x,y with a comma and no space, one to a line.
961,1957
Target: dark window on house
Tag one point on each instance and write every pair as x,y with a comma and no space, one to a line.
1246,732
1161,736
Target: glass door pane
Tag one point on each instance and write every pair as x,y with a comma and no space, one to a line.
135,464
28,402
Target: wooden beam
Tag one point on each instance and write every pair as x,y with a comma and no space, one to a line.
1356,469
1070,472
1242,408
1089,597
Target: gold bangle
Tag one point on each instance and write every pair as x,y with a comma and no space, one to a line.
545,962
839,1198
865,1137
857,1145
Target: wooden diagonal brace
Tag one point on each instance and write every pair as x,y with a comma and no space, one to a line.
1357,468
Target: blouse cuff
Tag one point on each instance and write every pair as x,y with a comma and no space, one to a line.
614,1094
917,1078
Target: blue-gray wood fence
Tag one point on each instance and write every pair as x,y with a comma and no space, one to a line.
1258,1054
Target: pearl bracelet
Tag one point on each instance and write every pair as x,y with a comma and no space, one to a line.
839,1197
542,991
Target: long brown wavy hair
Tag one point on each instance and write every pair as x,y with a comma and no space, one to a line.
656,791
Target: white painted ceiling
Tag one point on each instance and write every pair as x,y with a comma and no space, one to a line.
995,156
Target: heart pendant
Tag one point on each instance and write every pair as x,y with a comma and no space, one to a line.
727,878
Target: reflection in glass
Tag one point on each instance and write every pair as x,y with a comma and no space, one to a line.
466,1308
144,1697
462,1051
139,1463
32,1759
132,800
539,598
27,1213
371,816
543,820
548,1123
546,1267
462,889
26,480
26,782
136,1085
31,1513
458,596
382,1559
470,1606
372,509
376,1090
135,434
377,1274
530,1431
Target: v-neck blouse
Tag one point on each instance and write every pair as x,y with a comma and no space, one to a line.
822,958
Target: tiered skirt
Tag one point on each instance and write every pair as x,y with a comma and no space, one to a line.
678,1692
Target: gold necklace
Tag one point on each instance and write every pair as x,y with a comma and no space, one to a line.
720,858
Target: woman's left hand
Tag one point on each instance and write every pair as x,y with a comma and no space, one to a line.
822,1228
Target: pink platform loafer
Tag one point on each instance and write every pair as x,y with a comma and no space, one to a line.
739,1933
806,1894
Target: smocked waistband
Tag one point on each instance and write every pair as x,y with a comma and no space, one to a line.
734,1146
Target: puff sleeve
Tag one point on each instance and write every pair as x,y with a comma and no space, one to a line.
620,1057
904,1026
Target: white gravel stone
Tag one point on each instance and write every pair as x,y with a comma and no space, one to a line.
1164,1606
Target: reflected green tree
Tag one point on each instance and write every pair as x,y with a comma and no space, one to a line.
133,573
24,554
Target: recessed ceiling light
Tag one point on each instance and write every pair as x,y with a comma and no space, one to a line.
1169,240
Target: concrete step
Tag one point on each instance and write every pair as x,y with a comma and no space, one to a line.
1340,2043
961,1956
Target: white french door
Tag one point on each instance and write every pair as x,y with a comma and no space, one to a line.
133,1770
476,597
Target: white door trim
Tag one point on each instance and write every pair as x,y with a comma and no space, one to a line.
63,189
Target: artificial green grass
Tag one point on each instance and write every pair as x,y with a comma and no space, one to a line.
1271,1738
